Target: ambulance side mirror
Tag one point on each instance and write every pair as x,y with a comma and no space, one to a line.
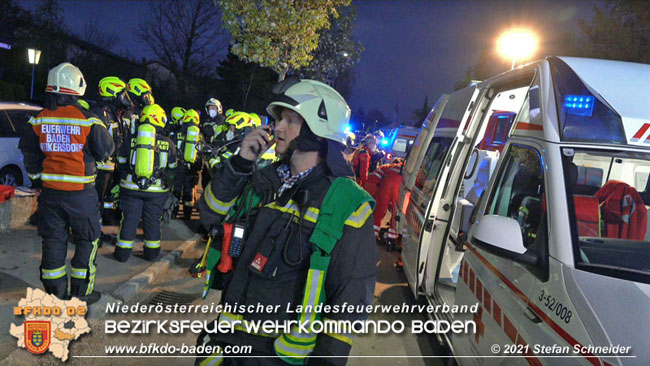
501,236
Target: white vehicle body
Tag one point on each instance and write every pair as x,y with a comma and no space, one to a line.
399,140
547,229
13,121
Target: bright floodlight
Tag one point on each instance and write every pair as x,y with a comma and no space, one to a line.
34,56
517,44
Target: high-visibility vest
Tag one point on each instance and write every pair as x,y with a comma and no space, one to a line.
63,134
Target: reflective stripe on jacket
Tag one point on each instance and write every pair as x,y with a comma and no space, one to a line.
71,141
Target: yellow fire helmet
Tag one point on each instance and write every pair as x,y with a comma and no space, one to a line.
111,86
191,116
177,114
154,114
257,121
83,103
138,86
240,120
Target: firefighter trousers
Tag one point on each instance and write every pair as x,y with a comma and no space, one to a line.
103,184
186,180
136,205
61,213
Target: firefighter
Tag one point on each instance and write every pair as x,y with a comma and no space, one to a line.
114,101
187,171
292,253
211,127
60,151
378,155
361,159
144,166
386,196
238,125
213,123
141,94
173,126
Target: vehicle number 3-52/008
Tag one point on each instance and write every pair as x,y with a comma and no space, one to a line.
556,307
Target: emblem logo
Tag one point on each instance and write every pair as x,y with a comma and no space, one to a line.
37,336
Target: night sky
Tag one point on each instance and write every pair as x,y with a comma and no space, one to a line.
412,48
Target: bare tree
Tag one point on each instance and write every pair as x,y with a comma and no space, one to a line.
186,36
101,37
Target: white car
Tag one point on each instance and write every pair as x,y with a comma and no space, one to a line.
13,122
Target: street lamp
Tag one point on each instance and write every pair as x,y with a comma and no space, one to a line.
517,44
33,56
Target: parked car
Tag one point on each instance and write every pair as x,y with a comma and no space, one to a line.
13,122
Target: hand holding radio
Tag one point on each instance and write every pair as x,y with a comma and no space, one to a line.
256,143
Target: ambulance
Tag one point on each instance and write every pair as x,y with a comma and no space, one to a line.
399,141
529,195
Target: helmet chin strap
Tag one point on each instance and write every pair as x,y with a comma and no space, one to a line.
306,141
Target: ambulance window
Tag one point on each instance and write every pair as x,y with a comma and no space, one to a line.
433,160
609,198
583,115
415,151
520,192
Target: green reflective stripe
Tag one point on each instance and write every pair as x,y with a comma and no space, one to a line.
291,353
67,178
343,337
311,214
173,165
359,217
206,287
106,165
34,176
215,205
129,184
78,273
163,159
126,244
192,133
227,154
312,297
109,205
32,121
214,359
146,134
121,159
214,161
305,338
52,274
152,244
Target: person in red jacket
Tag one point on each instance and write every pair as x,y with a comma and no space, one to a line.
361,160
386,196
375,178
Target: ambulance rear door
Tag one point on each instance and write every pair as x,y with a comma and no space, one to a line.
417,201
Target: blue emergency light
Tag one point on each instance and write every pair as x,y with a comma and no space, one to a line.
384,142
579,105
347,128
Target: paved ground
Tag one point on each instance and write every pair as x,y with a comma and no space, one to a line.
20,257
